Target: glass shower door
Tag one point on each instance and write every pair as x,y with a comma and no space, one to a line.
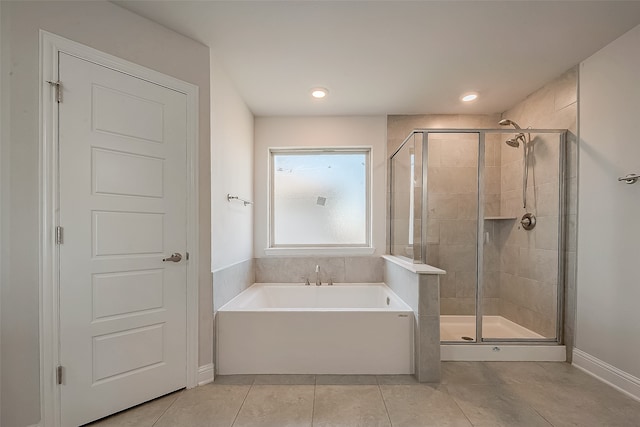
406,200
452,228
522,264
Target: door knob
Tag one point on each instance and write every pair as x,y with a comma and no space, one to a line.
176,257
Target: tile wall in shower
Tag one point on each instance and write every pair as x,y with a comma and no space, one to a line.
529,259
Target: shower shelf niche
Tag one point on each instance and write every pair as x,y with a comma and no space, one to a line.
499,217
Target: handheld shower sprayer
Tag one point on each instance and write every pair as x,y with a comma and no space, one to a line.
507,122
515,143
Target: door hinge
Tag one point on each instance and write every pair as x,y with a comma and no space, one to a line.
58,86
59,375
59,235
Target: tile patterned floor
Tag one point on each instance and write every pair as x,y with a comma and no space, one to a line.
484,394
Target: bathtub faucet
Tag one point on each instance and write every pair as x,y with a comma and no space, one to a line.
318,282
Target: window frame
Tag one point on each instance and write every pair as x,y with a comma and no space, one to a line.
356,248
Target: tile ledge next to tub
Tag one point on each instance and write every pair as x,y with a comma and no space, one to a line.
414,268
319,251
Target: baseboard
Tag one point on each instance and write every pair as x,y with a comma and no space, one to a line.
616,378
205,374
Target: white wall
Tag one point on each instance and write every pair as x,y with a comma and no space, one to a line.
111,29
231,172
320,132
608,230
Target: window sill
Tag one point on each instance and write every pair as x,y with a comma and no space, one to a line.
319,251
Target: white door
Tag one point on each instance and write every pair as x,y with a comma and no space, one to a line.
123,209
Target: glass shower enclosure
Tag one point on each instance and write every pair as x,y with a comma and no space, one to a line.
487,206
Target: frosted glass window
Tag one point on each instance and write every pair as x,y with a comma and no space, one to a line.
319,198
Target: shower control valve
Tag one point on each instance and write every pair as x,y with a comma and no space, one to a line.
528,221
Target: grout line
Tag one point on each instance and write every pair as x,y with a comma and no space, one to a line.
313,406
169,406
541,416
456,403
530,405
242,404
385,406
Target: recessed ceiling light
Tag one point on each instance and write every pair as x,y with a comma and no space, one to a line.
319,92
469,97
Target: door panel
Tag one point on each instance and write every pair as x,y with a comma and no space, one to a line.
144,345
127,174
127,115
127,233
127,292
123,209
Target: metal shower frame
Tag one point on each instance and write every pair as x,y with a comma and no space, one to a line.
420,257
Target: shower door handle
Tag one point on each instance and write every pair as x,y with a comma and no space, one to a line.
176,257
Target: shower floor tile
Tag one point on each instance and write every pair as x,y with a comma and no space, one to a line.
459,328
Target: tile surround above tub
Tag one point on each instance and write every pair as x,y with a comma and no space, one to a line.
230,281
364,269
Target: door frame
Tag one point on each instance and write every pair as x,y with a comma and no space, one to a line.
50,47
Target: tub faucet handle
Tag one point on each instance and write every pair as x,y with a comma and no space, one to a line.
307,282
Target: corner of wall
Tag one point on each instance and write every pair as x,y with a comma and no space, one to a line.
232,166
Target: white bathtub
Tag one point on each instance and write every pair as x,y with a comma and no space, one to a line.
361,328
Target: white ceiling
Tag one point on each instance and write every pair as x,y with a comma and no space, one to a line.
393,57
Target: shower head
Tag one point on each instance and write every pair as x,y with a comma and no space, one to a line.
513,142
507,122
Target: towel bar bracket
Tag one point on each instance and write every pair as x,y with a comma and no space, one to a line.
245,202
631,178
